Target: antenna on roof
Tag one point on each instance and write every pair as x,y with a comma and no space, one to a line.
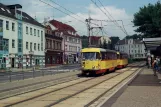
35,17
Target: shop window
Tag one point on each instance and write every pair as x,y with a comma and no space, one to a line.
1,43
53,60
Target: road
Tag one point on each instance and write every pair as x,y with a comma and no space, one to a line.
11,76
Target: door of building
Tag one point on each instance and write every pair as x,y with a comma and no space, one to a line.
13,62
3,62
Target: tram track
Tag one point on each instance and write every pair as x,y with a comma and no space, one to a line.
19,102
109,76
10,92
74,96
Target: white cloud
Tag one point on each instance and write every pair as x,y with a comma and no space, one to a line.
95,13
41,10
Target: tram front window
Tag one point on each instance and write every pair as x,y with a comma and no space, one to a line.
91,56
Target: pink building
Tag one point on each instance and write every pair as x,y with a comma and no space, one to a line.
71,43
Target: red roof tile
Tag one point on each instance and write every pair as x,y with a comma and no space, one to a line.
61,26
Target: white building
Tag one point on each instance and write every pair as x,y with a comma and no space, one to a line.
71,44
134,48
22,39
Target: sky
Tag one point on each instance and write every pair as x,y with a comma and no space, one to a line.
118,9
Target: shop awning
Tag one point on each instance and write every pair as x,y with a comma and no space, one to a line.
152,43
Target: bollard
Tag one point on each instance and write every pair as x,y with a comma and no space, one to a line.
23,73
42,72
51,71
10,75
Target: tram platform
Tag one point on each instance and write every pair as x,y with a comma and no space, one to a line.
143,91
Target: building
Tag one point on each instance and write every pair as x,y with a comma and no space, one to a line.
134,48
53,46
71,44
97,41
22,39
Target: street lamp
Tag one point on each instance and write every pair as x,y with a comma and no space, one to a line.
67,22
64,42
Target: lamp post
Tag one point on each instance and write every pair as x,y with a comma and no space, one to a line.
45,50
64,57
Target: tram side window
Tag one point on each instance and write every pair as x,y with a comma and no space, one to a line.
103,56
98,56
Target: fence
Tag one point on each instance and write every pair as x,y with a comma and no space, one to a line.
10,75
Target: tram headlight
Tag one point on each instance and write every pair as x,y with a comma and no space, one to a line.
93,67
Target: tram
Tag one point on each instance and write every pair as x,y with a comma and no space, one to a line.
98,61
122,60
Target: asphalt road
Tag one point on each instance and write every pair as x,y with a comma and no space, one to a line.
11,76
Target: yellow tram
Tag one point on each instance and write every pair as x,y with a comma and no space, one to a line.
122,60
98,60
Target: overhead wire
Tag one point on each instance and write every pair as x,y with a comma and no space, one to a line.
109,17
61,11
113,17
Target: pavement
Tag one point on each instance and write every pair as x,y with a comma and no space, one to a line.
143,91
19,74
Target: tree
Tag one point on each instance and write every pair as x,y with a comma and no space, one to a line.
114,40
148,20
134,36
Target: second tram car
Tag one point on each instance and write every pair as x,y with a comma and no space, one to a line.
122,60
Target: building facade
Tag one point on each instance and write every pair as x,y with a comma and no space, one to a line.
71,43
22,39
53,46
134,48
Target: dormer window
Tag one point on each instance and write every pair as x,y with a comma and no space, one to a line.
2,9
8,11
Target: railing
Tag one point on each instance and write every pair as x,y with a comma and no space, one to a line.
9,74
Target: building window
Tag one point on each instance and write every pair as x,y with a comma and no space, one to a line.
135,51
13,43
56,47
1,43
27,45
7,25
34,32
5,43
70,39
13,26
38,33
27,30
41,35
30,31
34,46
38,47
19,45
53,44
30,46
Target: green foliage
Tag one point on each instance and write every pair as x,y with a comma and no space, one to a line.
148,20
135,36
